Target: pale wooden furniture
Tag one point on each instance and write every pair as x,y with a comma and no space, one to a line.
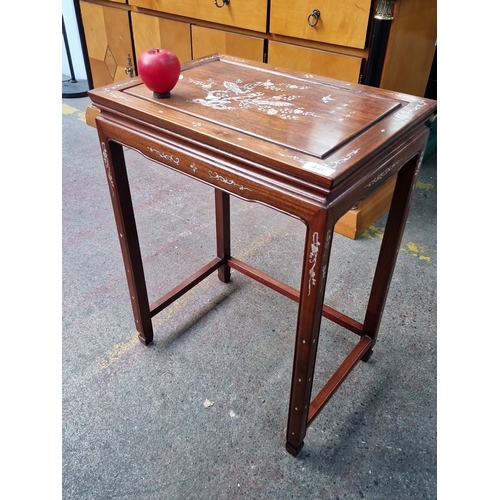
308,146
337,46
108,42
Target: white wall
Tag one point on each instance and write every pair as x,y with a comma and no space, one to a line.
68,11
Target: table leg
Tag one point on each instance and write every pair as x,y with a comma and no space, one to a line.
223,233
312,292
116,172
396,222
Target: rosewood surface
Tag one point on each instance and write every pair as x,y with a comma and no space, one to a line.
308,146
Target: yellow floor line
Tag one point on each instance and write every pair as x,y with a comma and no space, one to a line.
116,352
70,110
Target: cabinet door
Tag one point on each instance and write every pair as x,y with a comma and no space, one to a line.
108,40
411,45
248,14
340,22
152,32
318,62
208,41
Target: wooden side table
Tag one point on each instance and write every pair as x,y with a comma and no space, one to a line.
308,146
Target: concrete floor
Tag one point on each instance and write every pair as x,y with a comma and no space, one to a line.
134,421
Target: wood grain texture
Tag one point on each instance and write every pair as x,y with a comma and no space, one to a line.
411,47
318,62
367,211
109,42
155,32
90,115
208,41
250,14
340,22
338,115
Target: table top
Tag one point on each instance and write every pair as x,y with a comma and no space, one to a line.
313,128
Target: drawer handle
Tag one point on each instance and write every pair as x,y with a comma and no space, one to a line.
129,70
315,18
224,2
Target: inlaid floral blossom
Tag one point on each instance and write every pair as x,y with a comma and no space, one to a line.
273,99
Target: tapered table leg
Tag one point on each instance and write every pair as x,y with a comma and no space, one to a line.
116,173
312,291
395,226
223,233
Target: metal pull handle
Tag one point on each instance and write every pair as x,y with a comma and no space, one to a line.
129,70
224,2
315,18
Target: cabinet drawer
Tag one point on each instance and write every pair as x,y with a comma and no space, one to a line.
109,42
207,41
318,62
340,22
247,14
152,32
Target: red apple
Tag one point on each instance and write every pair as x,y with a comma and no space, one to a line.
160,70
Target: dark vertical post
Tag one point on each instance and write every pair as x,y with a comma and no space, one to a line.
68,53
72,87
83,43
223,233
389,250
378,45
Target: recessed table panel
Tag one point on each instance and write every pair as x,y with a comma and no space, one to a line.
302,114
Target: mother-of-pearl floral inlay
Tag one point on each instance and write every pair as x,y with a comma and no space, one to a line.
331,165
344,159
111,91
106,165
313,257
229,182
382,174
166,156
409,110
267,97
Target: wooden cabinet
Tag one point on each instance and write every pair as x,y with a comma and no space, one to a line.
338,22
411,47
246,14
108,42
206,41
153,31
324,38
334,39
315,61
328,38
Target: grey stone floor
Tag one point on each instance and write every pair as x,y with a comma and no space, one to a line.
134,424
